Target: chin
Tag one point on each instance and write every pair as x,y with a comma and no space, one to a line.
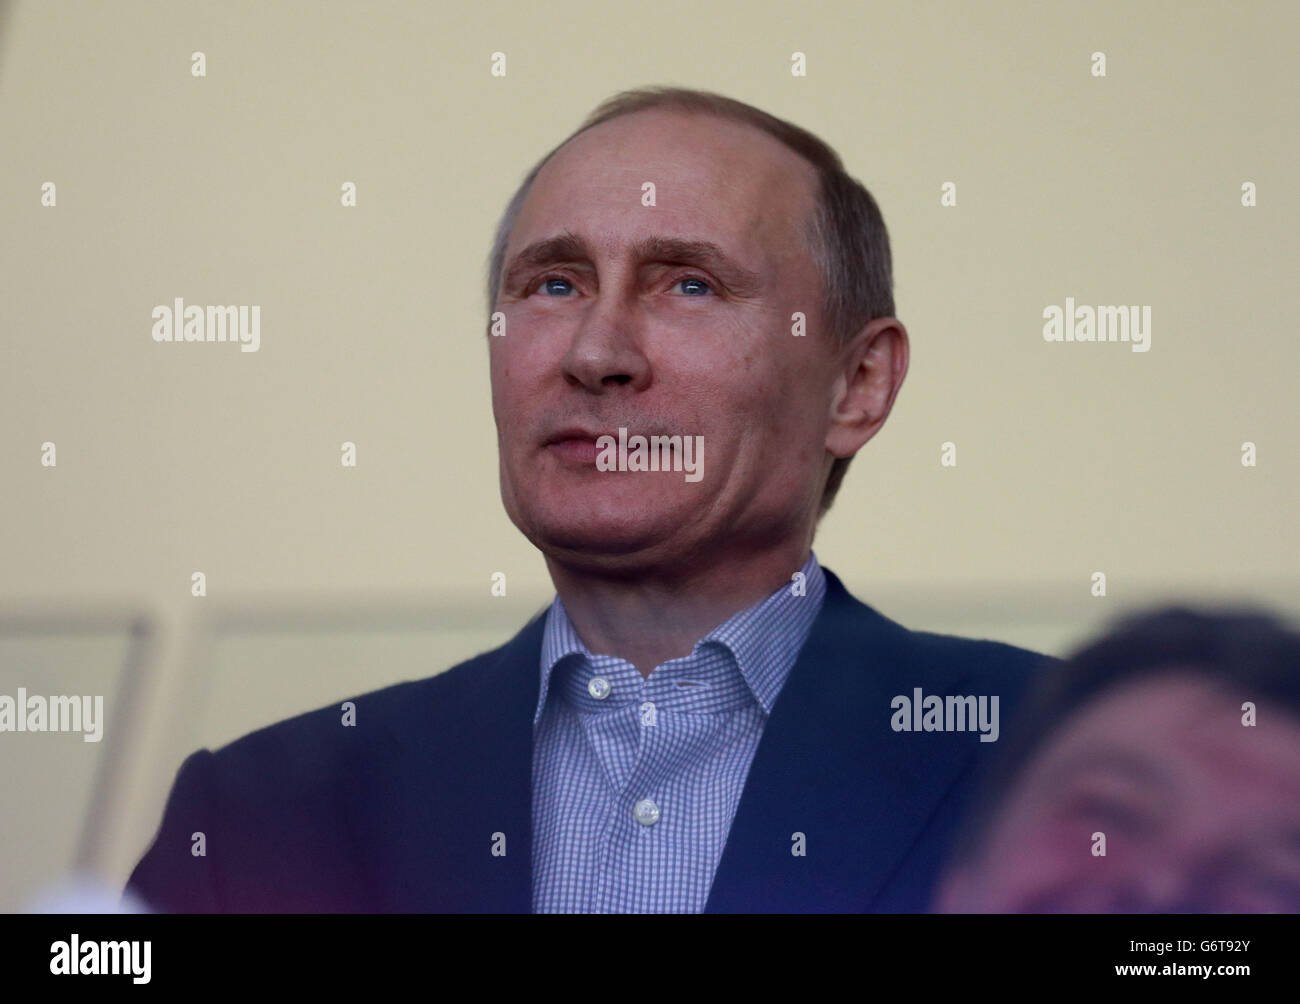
596,532
596,536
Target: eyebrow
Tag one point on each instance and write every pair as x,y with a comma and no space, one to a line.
570,247
1120,761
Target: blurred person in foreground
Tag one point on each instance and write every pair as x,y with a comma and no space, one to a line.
1157,771
701,721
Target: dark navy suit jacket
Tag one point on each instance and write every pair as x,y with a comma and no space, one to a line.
400,812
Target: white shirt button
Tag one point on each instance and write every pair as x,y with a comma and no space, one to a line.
648,713
646,812
599,688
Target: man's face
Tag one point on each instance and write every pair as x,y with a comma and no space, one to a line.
614,330
1200,813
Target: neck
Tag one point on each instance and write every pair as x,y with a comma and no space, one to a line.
652,616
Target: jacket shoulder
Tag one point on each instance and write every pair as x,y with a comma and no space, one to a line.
937,662
258,821
313,743
982,655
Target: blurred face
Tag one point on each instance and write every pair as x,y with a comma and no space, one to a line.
666,320
1200,812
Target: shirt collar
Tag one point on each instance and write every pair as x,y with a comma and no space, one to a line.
764,639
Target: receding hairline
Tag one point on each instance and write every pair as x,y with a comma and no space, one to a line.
805,223
718,115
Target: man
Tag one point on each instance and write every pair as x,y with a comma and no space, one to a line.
691,336
1158,771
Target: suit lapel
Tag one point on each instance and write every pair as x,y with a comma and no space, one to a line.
830,767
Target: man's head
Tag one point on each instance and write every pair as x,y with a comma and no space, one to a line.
1173,746
676,318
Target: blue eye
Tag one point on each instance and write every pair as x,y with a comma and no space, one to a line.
697,282
546,283
697,287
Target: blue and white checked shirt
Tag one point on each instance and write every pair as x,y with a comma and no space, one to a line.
636,780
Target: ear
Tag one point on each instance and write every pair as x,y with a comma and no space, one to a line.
872,368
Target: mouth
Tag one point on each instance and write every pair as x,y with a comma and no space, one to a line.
575,445
575,434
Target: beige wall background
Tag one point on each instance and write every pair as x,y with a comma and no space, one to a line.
325,581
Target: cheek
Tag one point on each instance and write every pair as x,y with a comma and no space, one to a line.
756,394
1033,857
498,369
514,374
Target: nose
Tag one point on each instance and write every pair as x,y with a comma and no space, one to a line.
606,350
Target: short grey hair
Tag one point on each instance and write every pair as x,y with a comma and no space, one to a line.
846,234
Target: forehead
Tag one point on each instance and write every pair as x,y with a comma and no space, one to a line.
1184,720
714,179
